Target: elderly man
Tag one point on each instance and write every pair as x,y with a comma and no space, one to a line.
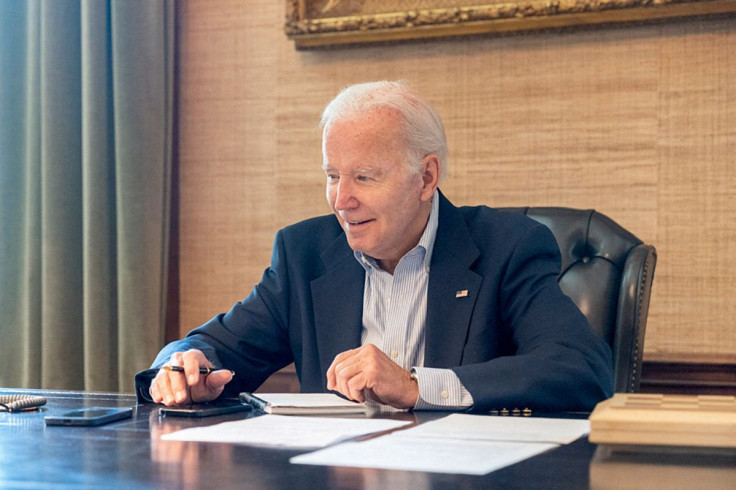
399,297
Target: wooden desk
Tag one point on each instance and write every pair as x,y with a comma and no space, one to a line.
130,454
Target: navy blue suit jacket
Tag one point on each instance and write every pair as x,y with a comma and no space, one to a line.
515,340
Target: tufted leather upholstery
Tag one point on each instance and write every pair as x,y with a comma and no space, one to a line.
608,273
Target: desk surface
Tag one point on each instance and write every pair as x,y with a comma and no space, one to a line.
130,454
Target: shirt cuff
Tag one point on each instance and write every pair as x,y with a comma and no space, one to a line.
440,389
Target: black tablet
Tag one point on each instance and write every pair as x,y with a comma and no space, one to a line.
217,407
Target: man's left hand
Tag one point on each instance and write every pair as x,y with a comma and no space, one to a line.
368,372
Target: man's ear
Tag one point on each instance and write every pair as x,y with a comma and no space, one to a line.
430,175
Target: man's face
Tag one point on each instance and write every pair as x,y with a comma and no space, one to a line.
381,204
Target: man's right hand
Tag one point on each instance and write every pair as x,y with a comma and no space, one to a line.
189,386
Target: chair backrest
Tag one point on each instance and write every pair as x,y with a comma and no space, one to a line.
608,273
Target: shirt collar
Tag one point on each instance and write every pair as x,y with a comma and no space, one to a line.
426,241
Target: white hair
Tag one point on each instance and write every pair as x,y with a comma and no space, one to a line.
422,126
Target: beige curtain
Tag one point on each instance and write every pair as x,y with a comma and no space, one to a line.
85,158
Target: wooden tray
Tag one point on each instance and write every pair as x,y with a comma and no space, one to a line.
665,420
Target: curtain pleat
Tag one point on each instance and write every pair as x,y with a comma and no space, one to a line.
61,194
85,136
100,207
19,211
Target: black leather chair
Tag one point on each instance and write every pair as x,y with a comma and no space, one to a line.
608,273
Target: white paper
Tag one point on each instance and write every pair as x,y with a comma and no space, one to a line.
285,431
514,429
398,452
458,443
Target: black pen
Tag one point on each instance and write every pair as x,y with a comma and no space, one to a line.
179,369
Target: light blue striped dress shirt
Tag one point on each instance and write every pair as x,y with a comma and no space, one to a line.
394,320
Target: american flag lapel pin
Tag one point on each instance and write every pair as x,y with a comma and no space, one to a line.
462,293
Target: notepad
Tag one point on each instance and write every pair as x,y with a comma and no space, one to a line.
18,403
302,403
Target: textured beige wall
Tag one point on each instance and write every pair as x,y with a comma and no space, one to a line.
637,122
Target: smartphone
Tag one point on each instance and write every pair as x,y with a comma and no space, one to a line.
209,409
90,416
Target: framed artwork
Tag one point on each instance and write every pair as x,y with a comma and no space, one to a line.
313,23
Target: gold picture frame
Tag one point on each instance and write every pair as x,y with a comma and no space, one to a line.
314,23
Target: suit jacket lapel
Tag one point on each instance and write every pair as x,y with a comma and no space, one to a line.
452,291
338,302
